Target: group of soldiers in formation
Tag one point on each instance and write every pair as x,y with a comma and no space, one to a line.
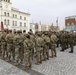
21,47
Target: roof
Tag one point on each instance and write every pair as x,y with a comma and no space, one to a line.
17,10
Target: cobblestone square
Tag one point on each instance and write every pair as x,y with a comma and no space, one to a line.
63,64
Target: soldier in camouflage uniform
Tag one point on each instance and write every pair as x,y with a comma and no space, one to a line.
46,46
3,44
13,46
39,48
27,52
53,40
63,41
33,40
71,41
21,49
9,40
0,44
17,47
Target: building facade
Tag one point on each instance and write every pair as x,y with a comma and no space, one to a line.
70,23
13,18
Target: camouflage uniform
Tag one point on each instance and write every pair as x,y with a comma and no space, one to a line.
0,45
33,40
71,41
63,41
21,49
3,44
46,46
17,47
9,39
53,39
27,52
39,48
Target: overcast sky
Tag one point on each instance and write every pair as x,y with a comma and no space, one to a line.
47,11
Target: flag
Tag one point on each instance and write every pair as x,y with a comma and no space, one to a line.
2,26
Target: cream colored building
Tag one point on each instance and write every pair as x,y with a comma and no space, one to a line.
13,18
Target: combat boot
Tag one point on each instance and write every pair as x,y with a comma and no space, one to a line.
26,68
16,64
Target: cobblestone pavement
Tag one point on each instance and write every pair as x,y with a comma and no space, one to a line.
63,64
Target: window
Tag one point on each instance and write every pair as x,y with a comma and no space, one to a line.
4,13
7,14
20,17
24,18
24,24
5,21
13,15
21,24
15,23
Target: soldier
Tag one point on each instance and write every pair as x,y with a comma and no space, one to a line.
27,52
63,41
46,46
39,49
9,40
33,40
13,46
71,41
3,43
0,44
17,47
53,39
21,49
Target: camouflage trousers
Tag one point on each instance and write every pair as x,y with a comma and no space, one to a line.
17,47
53,50
8,51
27,58
3,49
0,50
39,54
13,52
21,54
46,52
63,46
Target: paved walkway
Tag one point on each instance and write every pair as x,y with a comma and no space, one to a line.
63,64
